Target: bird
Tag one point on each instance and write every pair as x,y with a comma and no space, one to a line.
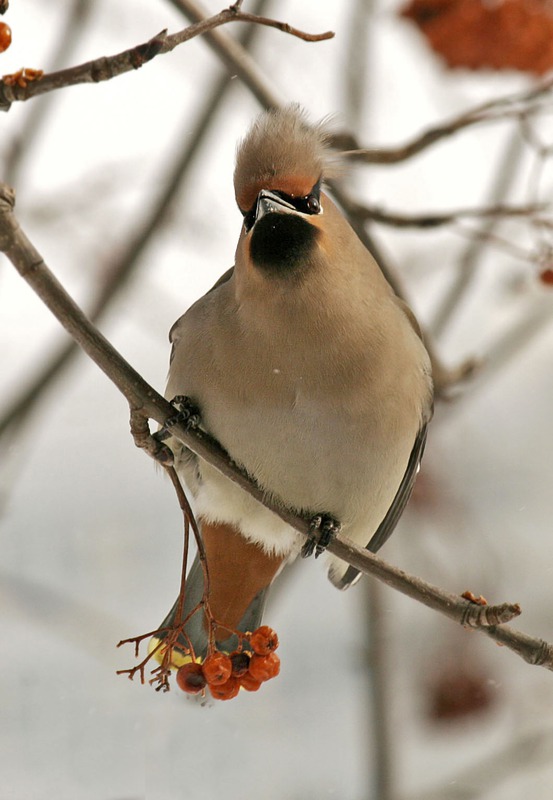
311,373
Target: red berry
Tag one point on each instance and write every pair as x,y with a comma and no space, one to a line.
190,678
227,690
263,668
240,663
5,36
264,640
546,276
217,668
249,683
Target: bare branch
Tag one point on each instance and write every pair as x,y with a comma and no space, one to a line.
142,397
14,88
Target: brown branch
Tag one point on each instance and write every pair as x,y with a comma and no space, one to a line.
108,67
141,396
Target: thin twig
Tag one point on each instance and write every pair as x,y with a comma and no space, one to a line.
140,395
108,67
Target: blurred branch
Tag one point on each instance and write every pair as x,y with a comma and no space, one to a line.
517,105
16,87
523,753
120,272
32,126
439,219
467,265
356,72
378,672
234,56
517,339
142,397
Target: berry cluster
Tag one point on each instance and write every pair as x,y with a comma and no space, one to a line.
224,675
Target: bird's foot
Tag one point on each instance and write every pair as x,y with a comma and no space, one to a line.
187,414
322,530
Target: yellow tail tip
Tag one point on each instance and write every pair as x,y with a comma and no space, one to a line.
156,646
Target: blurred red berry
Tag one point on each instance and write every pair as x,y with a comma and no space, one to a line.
476,34
546,276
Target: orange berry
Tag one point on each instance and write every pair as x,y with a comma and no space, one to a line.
263,668
190,678
249,683
264,640
217,668
240,663
227,690
5,36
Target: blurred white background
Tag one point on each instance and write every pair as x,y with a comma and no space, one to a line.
90,532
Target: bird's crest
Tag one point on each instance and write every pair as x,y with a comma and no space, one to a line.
283,152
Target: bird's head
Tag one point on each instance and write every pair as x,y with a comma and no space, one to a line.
280,167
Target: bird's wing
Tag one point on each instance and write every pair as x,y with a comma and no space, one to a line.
173,338
386,527
188,461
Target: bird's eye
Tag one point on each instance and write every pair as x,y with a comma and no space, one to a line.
312,204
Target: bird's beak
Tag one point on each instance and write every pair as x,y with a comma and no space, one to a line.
270,203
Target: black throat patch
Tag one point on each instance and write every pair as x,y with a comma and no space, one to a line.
282,243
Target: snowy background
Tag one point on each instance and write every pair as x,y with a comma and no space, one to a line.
90,534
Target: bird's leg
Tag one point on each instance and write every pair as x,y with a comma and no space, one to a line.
187,414
322,530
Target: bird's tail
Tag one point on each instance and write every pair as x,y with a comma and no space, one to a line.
196,629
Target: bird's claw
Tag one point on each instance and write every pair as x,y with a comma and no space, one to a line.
188,414
322,530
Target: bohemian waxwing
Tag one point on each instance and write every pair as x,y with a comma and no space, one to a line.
309,371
